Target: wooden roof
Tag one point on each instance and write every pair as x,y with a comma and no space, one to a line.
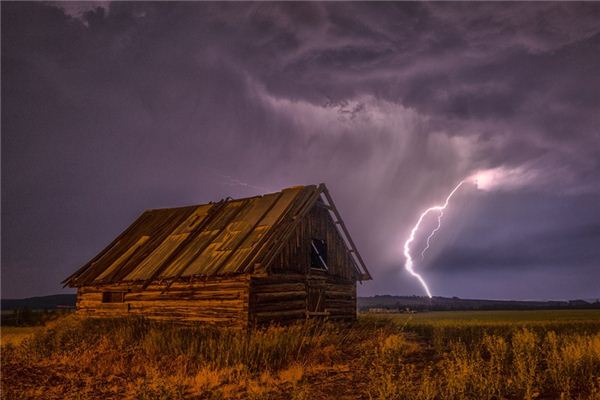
222,238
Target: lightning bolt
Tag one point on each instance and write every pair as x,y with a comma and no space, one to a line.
433,232
408,265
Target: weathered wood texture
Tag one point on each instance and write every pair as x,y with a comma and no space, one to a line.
216,239
286,288
295,255
289,297
334,297
213,301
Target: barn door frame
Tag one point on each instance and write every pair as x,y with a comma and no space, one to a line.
315,299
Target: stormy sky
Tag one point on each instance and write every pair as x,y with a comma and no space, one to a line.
110,109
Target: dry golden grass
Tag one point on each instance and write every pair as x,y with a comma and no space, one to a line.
495,359
374,358
16,334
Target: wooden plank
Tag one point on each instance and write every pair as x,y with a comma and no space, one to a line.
277,215
211,213
248,232
88,267
291,226
123,258
238,295
216,301
166,221
211,282
219,228
317,313
287,287
346,233
279,306
274,315
279,296
199,304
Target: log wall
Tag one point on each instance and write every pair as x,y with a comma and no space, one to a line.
277,299
235,302
215,301
338,297
282,298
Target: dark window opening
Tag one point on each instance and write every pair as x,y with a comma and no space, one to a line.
318,254
113,297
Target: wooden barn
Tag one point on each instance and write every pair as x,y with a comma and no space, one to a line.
274,258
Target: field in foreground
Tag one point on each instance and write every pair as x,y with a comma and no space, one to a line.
442,355
16,334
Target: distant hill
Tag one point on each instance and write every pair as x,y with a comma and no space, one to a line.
418,303
42,302
385,302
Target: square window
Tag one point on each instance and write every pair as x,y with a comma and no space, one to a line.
113,297
318,254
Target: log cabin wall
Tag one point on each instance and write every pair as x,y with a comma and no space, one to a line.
293,290
277,298
215,301
281,298
295,254
335,298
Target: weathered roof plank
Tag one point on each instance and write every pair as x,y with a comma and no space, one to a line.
228,237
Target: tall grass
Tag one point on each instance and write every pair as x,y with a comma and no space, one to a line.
441,333
522,365
167,361
375,358
161,343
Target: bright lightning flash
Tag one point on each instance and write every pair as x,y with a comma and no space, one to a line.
432,234
408,265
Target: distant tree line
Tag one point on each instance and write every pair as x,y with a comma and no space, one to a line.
25,316
418,303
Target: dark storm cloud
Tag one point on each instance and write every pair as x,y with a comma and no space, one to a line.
108,109
542,232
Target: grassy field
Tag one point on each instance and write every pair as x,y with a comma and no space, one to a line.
526,317
438,355
15,334
439,328
551,354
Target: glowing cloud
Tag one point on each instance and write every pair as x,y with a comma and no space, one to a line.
502,178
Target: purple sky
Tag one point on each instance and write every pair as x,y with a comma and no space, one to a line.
110,109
